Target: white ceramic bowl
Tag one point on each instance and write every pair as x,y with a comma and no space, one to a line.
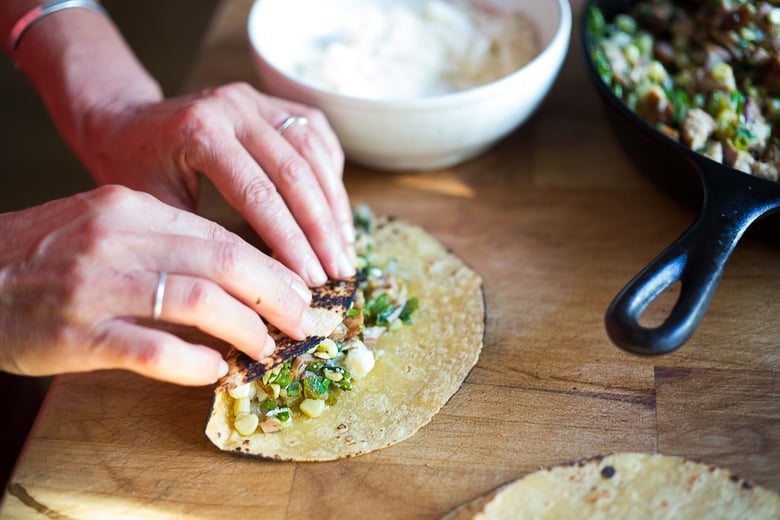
422,133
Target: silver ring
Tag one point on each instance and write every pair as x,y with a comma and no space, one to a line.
159,293
290,121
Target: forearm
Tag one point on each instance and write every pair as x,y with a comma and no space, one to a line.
80,65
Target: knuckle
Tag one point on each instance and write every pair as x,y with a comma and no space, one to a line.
218,233
228,258
192,123
289,300
309,141
292,169
197,296
109,349
98,237
231,90
258,191
316,116
147,354
111,197
232,95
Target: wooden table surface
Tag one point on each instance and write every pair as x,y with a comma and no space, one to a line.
556,219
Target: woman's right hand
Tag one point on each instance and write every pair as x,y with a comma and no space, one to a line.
78,278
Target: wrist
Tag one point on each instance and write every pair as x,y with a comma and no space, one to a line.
81,66
40,11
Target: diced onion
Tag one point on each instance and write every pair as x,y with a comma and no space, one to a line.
327,349
241,391
359,362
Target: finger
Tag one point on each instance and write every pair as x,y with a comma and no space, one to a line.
238,271
191,225
262,176
158,354
302,191
320,146
248,189
281,108
311,144
194,246
197,302
128,269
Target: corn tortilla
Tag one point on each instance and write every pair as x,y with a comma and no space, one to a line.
418,368
625,486
329,304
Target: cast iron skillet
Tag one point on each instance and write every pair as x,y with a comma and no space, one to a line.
729,202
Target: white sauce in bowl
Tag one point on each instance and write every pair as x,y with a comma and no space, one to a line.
386,50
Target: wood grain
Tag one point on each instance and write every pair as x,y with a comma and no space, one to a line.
556,219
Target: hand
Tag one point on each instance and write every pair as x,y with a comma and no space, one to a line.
78,276
288,187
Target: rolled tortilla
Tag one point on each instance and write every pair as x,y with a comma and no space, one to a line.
418,366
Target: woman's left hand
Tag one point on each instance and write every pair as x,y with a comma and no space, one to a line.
288,186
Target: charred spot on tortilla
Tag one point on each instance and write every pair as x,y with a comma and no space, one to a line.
330,303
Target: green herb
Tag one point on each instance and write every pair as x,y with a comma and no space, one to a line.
410,306
293,389
361,217
315,386
596,22
378,310
282,376
345,384
743,138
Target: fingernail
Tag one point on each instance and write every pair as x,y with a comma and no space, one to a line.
344,265
308,324
348,232
315,273
270,346
223,369
352,253
302,291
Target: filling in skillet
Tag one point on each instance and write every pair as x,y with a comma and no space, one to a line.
704,72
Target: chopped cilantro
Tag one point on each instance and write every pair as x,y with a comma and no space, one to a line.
315,386
410,306
294,389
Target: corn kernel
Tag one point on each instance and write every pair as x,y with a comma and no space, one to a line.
312,407
333,375
246,423
241,405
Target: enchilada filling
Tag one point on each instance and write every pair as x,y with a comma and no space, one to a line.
306,385
706,74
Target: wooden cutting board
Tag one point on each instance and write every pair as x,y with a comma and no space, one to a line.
556,220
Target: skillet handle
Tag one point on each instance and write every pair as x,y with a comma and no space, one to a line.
732,202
